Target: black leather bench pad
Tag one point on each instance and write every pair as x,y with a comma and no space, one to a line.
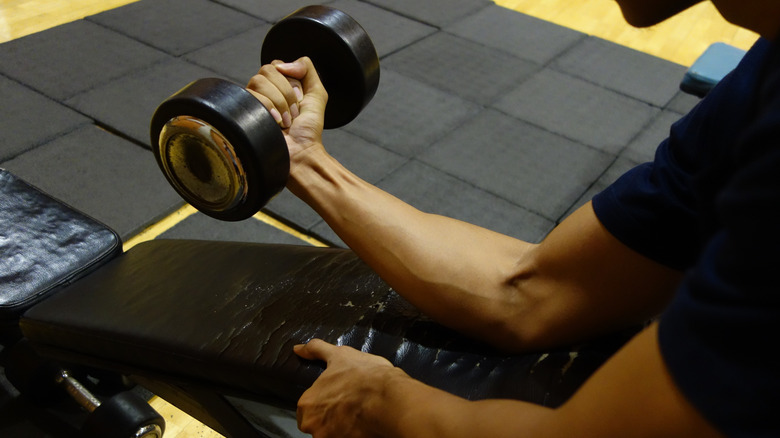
229,313
44,245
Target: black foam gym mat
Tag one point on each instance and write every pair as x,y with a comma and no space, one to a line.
28,119
435,191
622,69
438,13
174,26
457,66
578,110
389,31
72,58
518,34
126,106
643,147
236,58
523,164
102,175
406,116
269,10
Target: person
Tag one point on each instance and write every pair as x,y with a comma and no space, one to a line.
692,237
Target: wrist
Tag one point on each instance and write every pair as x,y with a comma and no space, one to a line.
304,165
390,412
306,158
319,179
410,408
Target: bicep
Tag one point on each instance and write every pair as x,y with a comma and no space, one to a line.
586,282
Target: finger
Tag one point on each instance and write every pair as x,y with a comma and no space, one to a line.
296,85
316,349
286,85
296,69
272,99
297,88
303,70
307,419
298,91
269,105
293,71
278,90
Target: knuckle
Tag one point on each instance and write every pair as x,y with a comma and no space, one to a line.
256,81
267,68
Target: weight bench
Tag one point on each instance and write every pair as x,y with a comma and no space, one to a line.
210,326
710,67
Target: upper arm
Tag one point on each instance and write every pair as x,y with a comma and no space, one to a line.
582,281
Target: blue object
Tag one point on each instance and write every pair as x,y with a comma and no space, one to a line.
716,62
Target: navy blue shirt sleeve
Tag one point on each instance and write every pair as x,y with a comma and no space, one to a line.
648,209
709,204
719,337
665,209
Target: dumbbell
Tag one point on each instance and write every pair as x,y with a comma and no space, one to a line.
222,150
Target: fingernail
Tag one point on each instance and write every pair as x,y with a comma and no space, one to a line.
294,110
286,119
275,114
298,93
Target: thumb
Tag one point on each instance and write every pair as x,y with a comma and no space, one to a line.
303,70
296,69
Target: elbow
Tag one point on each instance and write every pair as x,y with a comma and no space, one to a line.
525,340
520,330
521,320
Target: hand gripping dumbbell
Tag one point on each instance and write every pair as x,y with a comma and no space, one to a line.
222,150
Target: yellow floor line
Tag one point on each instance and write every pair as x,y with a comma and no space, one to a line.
262,217
154,230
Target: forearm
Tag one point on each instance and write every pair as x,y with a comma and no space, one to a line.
415,410
579,282
513,294
631,396
457,273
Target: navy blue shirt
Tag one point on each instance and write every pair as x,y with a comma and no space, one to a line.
709,204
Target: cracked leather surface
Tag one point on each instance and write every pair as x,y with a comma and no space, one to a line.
44,245
227,315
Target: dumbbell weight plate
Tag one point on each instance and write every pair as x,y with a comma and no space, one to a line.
340,49
228,167
221,149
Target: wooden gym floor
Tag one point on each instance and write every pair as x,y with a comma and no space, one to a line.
680,40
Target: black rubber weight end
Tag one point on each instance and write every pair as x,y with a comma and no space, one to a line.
258,142
341,50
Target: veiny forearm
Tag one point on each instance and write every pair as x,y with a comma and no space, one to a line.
577,283
457,273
